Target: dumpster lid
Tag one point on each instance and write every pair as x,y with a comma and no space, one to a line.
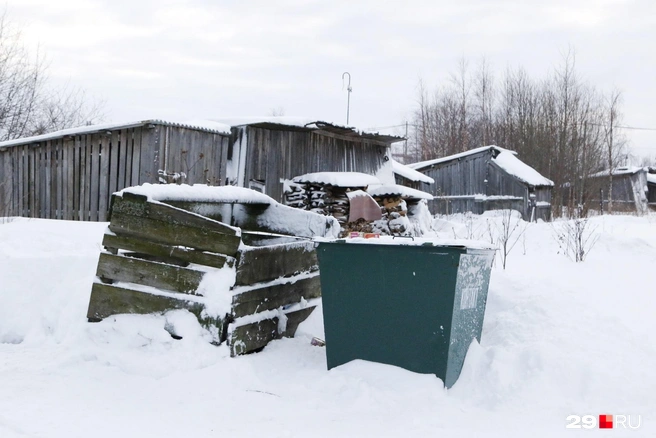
410,241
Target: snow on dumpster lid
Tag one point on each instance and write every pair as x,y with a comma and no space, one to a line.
417,241
397,190
199,193
338,179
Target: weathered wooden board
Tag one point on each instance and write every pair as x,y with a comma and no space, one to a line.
159,275
175,253
251,337
272,297
107,300
168,225
257,264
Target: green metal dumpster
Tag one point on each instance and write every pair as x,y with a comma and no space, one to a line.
416,304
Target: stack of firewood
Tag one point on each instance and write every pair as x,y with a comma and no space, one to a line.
395,211
320,198
295,195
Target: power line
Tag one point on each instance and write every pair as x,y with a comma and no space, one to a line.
634,128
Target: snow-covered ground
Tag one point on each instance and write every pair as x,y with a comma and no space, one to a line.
560,338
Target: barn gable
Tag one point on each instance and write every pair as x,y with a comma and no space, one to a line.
486,178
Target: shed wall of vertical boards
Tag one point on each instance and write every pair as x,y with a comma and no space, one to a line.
277,154
73,177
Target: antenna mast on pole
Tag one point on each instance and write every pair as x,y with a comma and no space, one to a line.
348,98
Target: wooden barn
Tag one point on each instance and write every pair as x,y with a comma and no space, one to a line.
71,174
630,192
266,152
486,178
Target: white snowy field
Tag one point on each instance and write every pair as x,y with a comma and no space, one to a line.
560,338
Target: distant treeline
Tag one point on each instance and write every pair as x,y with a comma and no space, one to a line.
561,125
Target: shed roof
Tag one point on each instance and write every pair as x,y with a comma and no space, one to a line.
651,178
504,158
338,179
520,170
427,163
305,124
622,170
201,125
397,190
410,173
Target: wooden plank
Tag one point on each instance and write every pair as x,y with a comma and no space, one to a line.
94,188
58,178
138,144
148,151
103,184
39,190
124,159
253,337
158,275
272,297
168,233
21,177
175,253
257,264
76,178
138,205
107,300
47,183
113,164
70,179
65,185
224,143
84,179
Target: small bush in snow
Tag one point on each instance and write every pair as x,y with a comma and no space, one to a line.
576,238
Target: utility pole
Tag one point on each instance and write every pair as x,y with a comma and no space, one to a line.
348,98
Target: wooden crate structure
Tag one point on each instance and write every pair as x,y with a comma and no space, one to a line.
174,252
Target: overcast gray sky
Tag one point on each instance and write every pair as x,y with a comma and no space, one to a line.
218,59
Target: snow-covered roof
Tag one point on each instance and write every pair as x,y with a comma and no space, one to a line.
308,124
338,179
622,170
410,173
422,164
520,170
397,190
651,178
199,193
205,125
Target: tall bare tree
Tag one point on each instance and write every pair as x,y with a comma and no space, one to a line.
28,104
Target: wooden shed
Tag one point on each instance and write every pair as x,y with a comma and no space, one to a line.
486,178
266,152
630,190
71,174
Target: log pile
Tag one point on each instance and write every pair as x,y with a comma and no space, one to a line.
325,199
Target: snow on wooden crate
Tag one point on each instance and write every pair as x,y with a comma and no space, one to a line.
229,255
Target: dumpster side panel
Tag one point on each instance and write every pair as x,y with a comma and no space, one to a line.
388,303
468,308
